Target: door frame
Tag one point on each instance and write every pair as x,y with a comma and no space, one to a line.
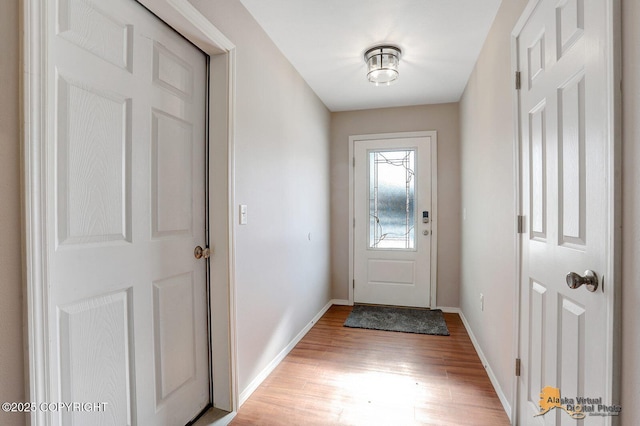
191,24
614,203
434,203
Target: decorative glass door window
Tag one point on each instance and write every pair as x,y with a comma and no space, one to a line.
392,199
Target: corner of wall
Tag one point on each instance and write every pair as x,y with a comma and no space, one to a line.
12,333
488,203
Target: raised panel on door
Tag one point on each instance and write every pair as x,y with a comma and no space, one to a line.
536,59
96,346
90,27
569,24
536,362
174,333
571,351
171,72
398,272
172,169
538,168
571,158
93,164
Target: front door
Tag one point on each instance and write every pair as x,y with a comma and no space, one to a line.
566,331
393,221
127,311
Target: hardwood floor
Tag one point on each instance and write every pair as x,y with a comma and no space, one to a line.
344,376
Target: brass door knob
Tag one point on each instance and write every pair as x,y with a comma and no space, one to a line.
200,252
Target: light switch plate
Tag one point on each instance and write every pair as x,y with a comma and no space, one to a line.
243,214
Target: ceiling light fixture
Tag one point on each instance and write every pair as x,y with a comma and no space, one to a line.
382,64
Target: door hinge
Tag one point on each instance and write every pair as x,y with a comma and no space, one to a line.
520,224
354,161
353,284
517,367
518,80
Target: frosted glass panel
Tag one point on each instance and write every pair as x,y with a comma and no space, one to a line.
392,199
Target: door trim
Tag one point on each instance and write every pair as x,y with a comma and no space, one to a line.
189,22
614,203
434,203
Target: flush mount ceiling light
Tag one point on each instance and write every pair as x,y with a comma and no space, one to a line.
382,64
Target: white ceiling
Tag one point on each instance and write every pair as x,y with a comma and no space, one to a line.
325,41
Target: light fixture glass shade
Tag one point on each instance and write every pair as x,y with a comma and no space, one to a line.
382,64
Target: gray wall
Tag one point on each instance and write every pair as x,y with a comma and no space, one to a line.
486,115
444,119
488,237
282,175
11,349
631,213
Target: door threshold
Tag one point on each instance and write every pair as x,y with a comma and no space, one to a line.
214,417
426,308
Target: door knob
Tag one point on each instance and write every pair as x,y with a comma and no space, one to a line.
590,279
200,252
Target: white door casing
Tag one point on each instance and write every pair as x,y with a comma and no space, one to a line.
388,268
567,196
127,321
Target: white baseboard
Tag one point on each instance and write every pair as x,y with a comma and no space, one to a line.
246,393
494,381
341,302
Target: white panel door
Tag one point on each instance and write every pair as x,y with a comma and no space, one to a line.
565,333
392,243
127,308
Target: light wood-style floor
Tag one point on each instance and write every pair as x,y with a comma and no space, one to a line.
344,376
